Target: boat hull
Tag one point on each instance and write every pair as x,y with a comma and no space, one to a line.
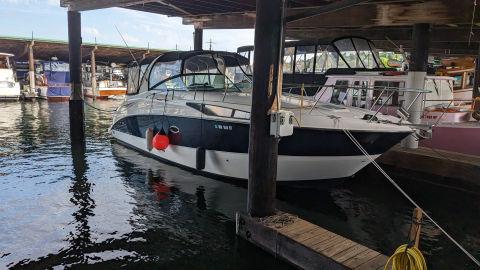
10,93
235,165
105,93
310,154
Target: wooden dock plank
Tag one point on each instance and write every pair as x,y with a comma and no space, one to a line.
349,253
318,238
294,226
374,263
361,258
306,245
308,235
300,230
330,252
326,244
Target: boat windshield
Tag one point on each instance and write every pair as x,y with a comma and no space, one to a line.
358,53
202,72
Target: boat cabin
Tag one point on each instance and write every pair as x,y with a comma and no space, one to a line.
308,62
363,88
9,87
332,71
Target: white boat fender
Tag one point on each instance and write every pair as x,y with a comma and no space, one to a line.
149,138
200,158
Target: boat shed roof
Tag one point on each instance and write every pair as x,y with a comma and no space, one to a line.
45,49
386,22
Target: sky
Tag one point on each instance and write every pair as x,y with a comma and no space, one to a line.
46,19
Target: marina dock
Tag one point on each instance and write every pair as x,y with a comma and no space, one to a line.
450,167
307,245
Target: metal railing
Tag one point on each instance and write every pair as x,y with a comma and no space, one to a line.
373,98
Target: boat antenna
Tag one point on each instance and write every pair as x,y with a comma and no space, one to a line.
210,44
134,59
130,51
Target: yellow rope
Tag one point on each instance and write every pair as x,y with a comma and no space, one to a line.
406,259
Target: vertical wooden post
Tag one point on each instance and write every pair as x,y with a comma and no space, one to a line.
31,68
476,81
263,148
77,126
416,226
93,71
198,39
416,76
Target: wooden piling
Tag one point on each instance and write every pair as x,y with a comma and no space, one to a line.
416,77
31,68
93,67
77,126
415,228
263,148
476,81
198,39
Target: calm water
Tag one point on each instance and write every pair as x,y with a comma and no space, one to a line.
113,208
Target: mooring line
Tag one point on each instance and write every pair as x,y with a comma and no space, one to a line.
360,147
96,108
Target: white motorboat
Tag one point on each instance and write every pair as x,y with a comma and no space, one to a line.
9,87
201,100
110,82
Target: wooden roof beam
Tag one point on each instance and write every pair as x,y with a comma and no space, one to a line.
335,6
93,4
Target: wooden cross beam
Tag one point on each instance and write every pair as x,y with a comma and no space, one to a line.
93,4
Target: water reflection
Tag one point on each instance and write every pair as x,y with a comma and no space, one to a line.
81,199
108,206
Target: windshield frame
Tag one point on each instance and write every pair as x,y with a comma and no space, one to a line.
213,55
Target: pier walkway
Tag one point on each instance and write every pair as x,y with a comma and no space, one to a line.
448,165
306,245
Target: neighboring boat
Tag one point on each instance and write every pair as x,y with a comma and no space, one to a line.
201,100
462,69
9,87
56,81
111,82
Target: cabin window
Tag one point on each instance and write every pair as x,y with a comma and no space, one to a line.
359,94
288,59
469,77
340,91
219,111
162,71
326,59
305,59
386,85
347,51
365,55
239,76
201,72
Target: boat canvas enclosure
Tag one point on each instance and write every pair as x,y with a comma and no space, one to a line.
194,70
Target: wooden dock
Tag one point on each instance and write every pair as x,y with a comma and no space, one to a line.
446,164
306,245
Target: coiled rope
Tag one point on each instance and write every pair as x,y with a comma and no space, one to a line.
360,147
406,257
